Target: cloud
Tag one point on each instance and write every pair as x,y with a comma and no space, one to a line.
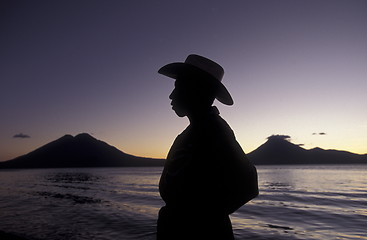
21,135
288,138
320,133
279,137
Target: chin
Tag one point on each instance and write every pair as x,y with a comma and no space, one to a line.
181,115
179,112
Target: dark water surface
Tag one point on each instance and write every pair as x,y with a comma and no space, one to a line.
295,202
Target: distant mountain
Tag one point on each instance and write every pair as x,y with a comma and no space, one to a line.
82,150
279,150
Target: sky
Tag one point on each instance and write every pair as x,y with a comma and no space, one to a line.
293,67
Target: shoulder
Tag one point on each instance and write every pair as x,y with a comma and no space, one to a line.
218,127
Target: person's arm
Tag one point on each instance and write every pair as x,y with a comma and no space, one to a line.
240,175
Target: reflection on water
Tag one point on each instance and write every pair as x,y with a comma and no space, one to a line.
307,202
72,177
83,204
277,186
295,202
75,198
68,179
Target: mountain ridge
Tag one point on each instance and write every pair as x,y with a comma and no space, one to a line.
279,150
83,150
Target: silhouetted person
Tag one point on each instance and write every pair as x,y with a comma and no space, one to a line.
207,176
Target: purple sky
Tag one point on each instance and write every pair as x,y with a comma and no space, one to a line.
293,67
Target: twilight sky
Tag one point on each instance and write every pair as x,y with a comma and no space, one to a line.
293,67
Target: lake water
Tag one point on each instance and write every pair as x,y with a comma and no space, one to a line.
295,202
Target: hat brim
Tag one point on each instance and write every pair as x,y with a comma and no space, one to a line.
174,70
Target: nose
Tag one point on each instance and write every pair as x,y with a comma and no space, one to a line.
171,96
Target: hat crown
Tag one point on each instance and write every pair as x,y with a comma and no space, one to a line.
206,65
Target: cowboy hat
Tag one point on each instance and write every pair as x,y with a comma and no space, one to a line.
195,64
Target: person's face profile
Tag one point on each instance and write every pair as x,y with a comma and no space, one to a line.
191,95
180,97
